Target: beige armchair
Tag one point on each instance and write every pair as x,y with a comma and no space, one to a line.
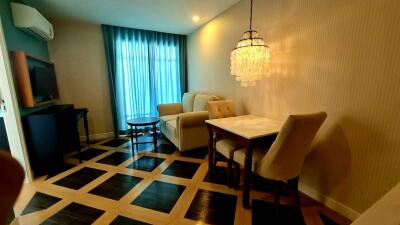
184,123
283,161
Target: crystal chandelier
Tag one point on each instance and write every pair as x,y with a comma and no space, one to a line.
249,60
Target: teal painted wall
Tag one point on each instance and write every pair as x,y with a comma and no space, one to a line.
16,39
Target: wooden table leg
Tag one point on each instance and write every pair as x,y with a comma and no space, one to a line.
210,151
132,145
247,176
85,123
136,138
155,137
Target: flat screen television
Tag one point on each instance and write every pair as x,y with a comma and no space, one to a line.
44,83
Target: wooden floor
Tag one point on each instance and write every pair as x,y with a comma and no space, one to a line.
165,187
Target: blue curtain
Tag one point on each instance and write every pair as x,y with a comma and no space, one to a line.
145,68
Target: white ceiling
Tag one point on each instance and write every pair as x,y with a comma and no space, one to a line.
173,16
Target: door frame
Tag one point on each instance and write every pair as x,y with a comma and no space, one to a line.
12,117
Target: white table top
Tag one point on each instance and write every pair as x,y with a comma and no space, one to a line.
248,126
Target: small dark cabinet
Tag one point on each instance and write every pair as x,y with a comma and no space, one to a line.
49,134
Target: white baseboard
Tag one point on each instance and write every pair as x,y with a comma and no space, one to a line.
329,202
100,136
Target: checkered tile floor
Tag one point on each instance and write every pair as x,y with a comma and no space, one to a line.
165,187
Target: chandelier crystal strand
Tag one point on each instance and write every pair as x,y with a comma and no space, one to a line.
249,60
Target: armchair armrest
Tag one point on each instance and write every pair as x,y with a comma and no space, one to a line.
192,119
169,109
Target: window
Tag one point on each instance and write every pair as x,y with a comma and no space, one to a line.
149,70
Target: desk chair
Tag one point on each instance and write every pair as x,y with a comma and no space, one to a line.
225,146
283,161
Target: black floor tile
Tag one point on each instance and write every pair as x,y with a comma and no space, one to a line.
159,196
220,176
115,158
116,186
213,208
147,137
80,178
147,147
265,213
76,214
121,220
40,201
89,154
198,153
326,220
143,147
182,169
166,148
64,167
146,163
115,142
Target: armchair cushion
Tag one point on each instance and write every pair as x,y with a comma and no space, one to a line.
191,119
187,102
201,102
169,109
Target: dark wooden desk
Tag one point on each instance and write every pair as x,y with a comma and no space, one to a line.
248,131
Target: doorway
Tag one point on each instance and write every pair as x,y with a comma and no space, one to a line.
11,130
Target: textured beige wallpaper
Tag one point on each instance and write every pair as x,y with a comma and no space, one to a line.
340,56
78,53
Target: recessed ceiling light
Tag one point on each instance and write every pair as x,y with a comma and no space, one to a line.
195,18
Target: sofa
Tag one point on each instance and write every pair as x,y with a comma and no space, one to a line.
184,123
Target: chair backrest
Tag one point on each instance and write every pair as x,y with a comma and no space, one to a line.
221,109
284,159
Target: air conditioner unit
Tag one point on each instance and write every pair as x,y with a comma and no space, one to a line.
31,21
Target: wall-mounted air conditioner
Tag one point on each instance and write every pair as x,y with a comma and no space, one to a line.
31,21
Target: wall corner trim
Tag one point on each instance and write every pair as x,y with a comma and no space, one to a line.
99,136
329,202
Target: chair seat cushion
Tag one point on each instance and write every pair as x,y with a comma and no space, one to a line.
169,117
258,154
171,126
226,147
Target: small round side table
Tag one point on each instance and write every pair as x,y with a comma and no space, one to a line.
143,121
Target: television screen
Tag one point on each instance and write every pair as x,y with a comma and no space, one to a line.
45,83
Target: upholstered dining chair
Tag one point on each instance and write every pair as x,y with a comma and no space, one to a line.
283,161
225,146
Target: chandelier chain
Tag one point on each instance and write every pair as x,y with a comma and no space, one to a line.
251,14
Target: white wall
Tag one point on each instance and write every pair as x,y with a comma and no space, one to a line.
338,56
78,53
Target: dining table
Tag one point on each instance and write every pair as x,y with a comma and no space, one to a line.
248,131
